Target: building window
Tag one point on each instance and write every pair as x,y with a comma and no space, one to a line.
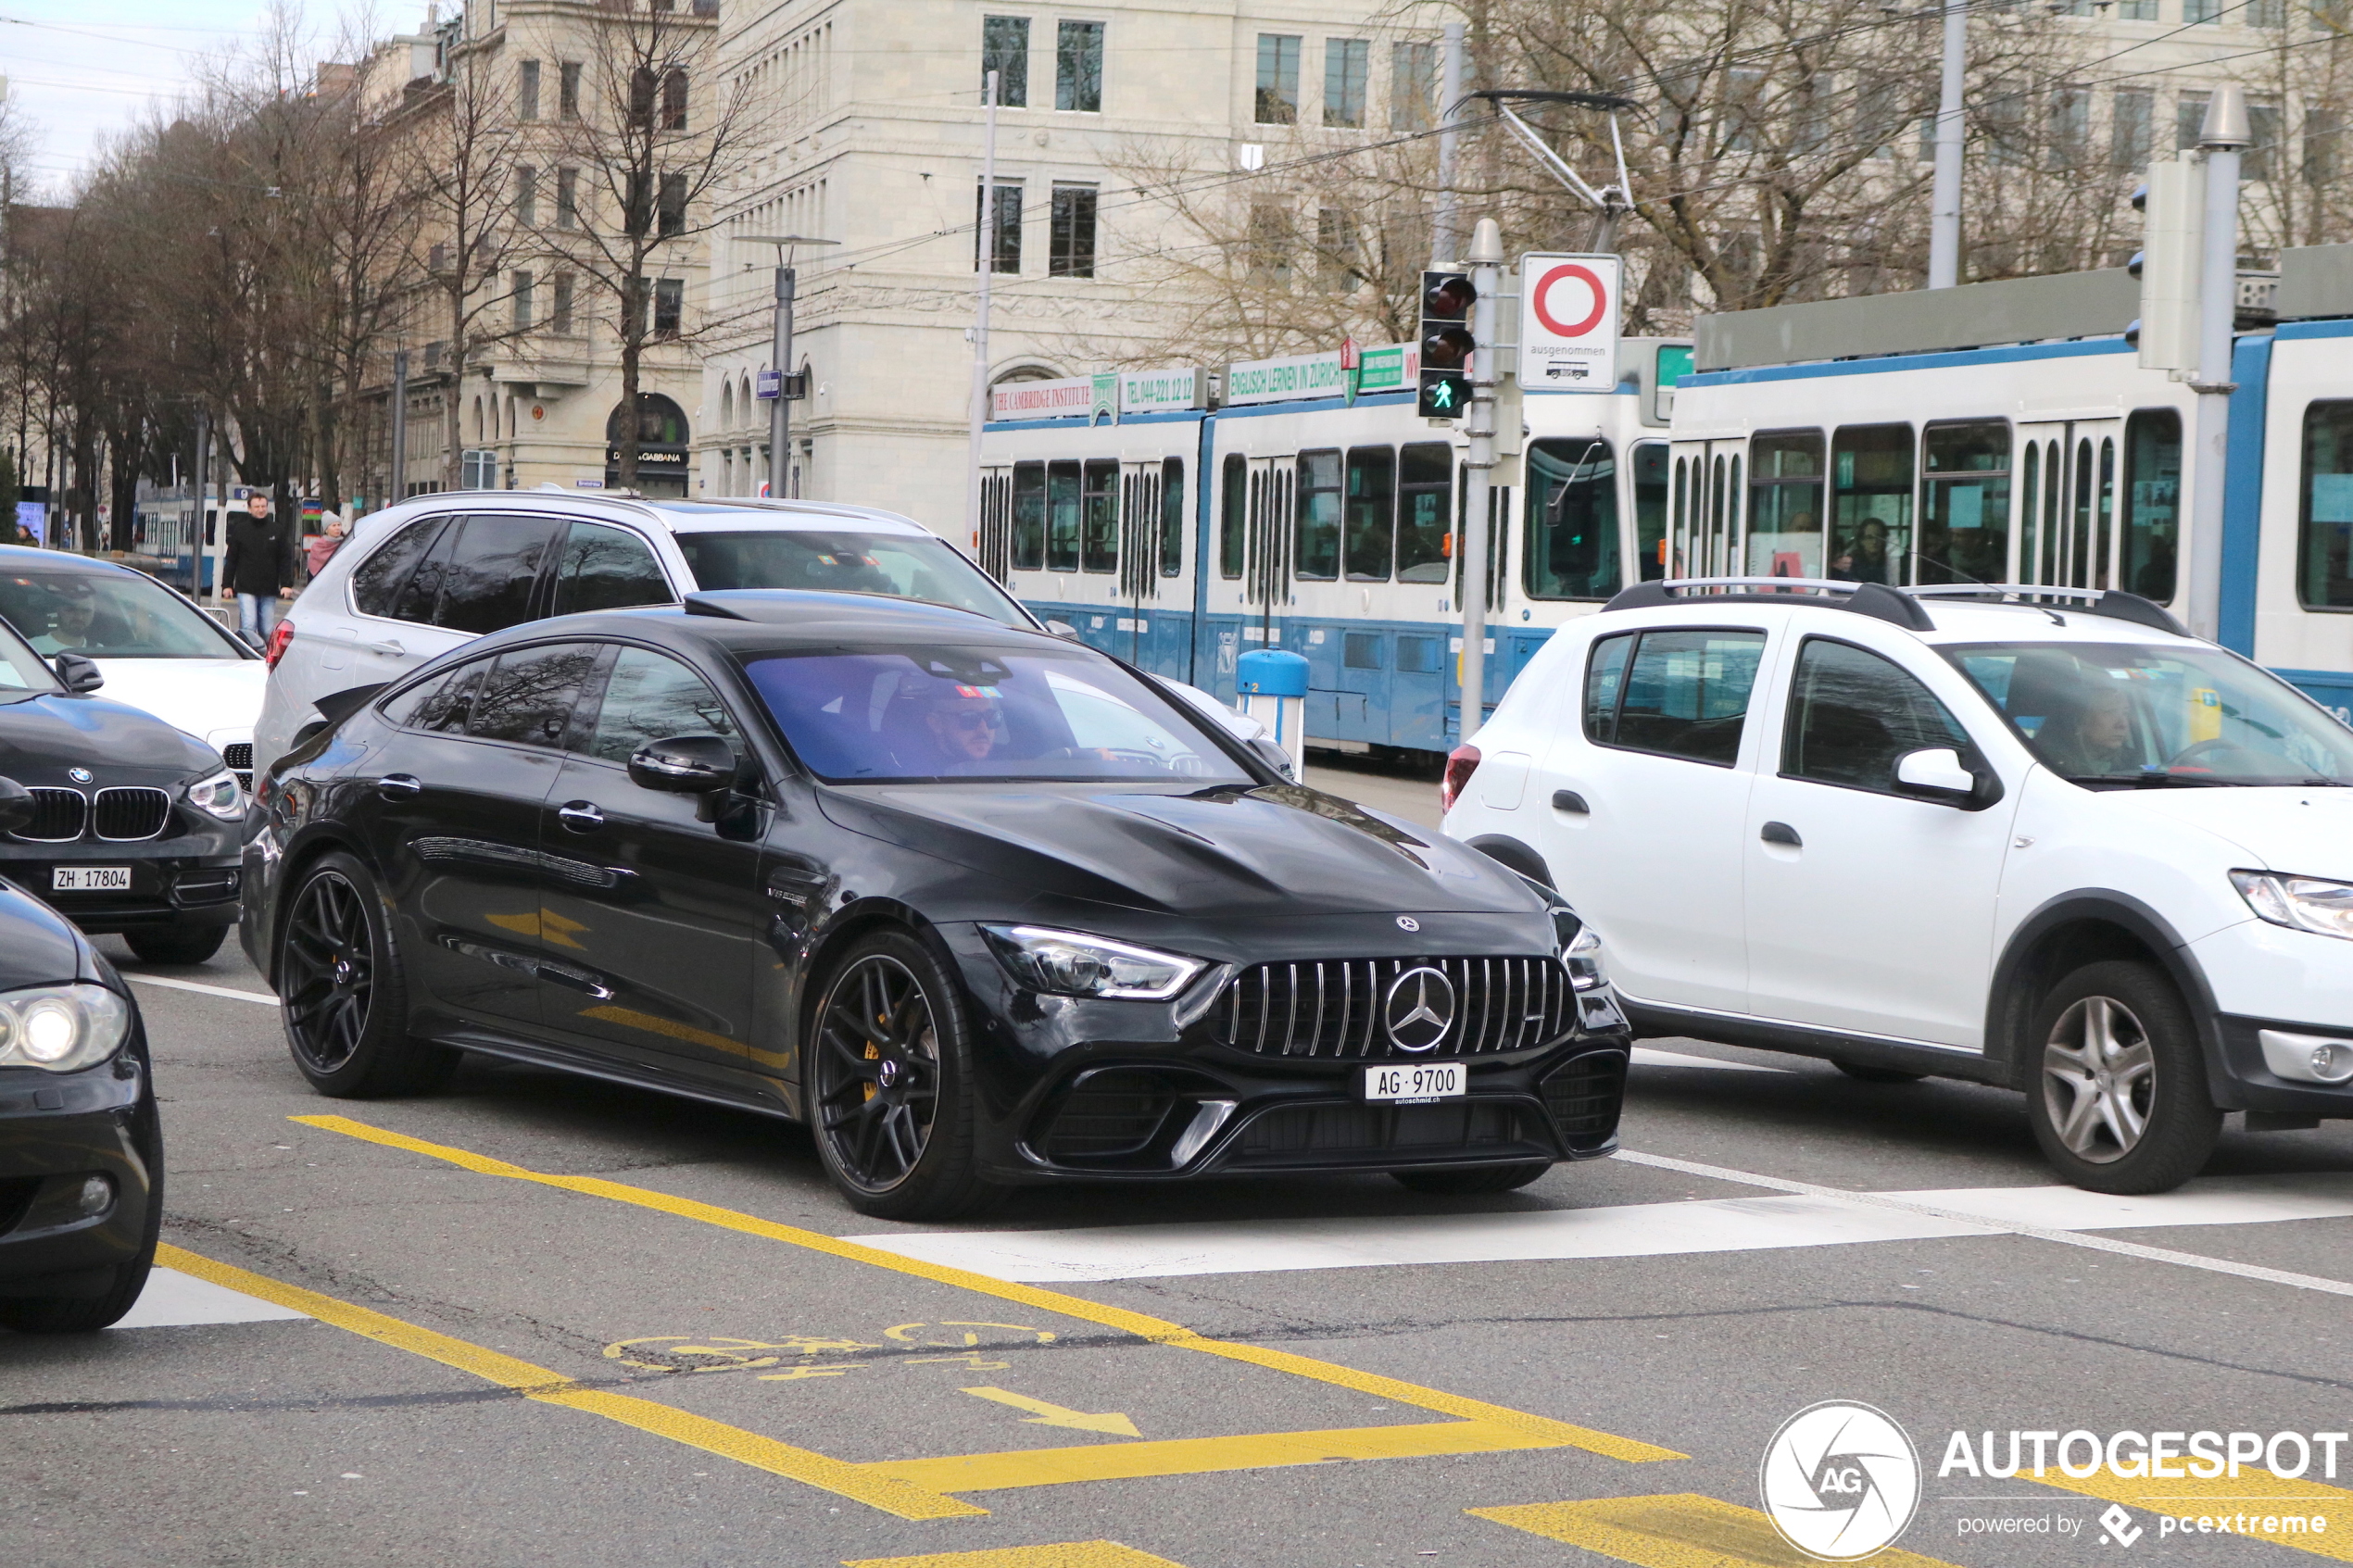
2136,10
2189,118
527,195
527,91
1078,66
1412,87
643,89
567,198
2321,129
2133,117
1072,251
1346,63
2071,128
1004,48
670,306
671,207
674,100
1270,244
561,317
1277,101
998,232
522,302
636,202
1338,268
2263,121
568,90
2196,11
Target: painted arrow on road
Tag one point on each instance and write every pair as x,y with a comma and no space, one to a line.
1110,1422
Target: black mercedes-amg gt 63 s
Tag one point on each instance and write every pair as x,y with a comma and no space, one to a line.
982,906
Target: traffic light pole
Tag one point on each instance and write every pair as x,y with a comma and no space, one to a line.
1487,276
2226,130
985,248
780,412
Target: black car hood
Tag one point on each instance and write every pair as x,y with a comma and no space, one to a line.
38,946
42,736
1276,849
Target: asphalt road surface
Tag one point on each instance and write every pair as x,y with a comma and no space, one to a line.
537,1320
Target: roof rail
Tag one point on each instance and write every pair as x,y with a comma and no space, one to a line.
2112,602
1874,599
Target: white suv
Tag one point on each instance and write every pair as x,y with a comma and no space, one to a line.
419,579
2035,837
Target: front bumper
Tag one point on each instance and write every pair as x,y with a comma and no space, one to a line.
56,1131
1078,1090
2264,976
167,890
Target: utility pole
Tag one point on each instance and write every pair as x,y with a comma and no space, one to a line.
1944,200
1487,276
780,355
2226,130
1442,238
398,483
984,247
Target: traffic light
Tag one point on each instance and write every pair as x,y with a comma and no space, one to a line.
1446,343
2167,265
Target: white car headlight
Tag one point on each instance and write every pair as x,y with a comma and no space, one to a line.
219,795
61,1028
2300,903
1068,963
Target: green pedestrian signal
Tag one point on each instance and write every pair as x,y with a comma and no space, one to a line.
1443,393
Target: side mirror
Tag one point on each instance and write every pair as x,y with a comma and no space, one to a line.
78,673
1063,629
16,806
1937,774
684,765
1274,756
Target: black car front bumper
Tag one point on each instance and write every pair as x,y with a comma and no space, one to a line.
174,884
58,1130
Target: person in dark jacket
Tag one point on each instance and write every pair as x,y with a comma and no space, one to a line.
258,568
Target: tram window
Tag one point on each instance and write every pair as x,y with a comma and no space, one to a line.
1317,555
1061,517
1965,506
2152,503
1650,510
1172,516
1029,515
1683,512
1570,548
1234,519
2324,548
1785,505
1371,513
1425,497
1871,503
2029,532
2103,524
1098,537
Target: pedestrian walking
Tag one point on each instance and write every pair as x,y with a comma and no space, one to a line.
333,531
258,567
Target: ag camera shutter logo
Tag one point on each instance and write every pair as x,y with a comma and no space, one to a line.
1839,1481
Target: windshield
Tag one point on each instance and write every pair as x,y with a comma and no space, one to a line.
109,615
898,566
22,673
2114,714
966,713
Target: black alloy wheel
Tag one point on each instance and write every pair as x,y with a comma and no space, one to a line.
888,1059
2119,1098
1471,1181
342,994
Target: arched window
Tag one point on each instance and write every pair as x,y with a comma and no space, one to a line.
477,421
673,99
662,435
727,405
511,418
743,399
642,85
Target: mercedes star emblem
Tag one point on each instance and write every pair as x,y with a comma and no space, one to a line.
1408,922
80,775
1419,1009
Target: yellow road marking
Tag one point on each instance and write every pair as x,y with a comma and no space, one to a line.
888,1493
1680,1530
1196,1456
2256,1494
1540,1431
1069,1554
1043,1414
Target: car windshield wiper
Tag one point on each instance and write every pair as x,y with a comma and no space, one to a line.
2154,780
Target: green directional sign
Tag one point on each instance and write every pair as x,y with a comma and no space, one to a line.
1443,392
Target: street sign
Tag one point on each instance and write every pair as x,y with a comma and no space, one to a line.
1568,310
768,385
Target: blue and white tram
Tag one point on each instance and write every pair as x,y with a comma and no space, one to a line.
1181,540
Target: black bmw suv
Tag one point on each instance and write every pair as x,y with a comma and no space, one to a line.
983,907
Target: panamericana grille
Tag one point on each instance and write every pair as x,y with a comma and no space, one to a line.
239,756
130,813
1333,1007
59,816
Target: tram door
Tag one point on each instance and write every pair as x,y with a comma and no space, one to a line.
994,543
2067,477
1704,522
1139,518
1266,562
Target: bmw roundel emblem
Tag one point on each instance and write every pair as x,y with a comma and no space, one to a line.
1408,922
80,775
1419,1008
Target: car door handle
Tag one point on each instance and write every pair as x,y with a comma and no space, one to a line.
1570,801
1781,833
581,816
400,787
390,650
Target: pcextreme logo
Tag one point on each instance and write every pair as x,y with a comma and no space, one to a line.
1839,1481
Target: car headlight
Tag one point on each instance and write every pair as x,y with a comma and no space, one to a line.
219,795
2300,903
61,1028
1583,957
1068,963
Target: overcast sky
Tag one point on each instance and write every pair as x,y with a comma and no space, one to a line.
81,69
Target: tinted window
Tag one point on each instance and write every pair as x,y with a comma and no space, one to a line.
487,586
1571,549
1172,516
441,703
897,566
376,585
1233,517
2153,502
529,695
607,569
650,697
1852,714
2324,553
1100,537
1650,508
1604,682
1684,694
1029,514
1061,517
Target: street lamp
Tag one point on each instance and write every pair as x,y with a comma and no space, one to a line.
780,412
